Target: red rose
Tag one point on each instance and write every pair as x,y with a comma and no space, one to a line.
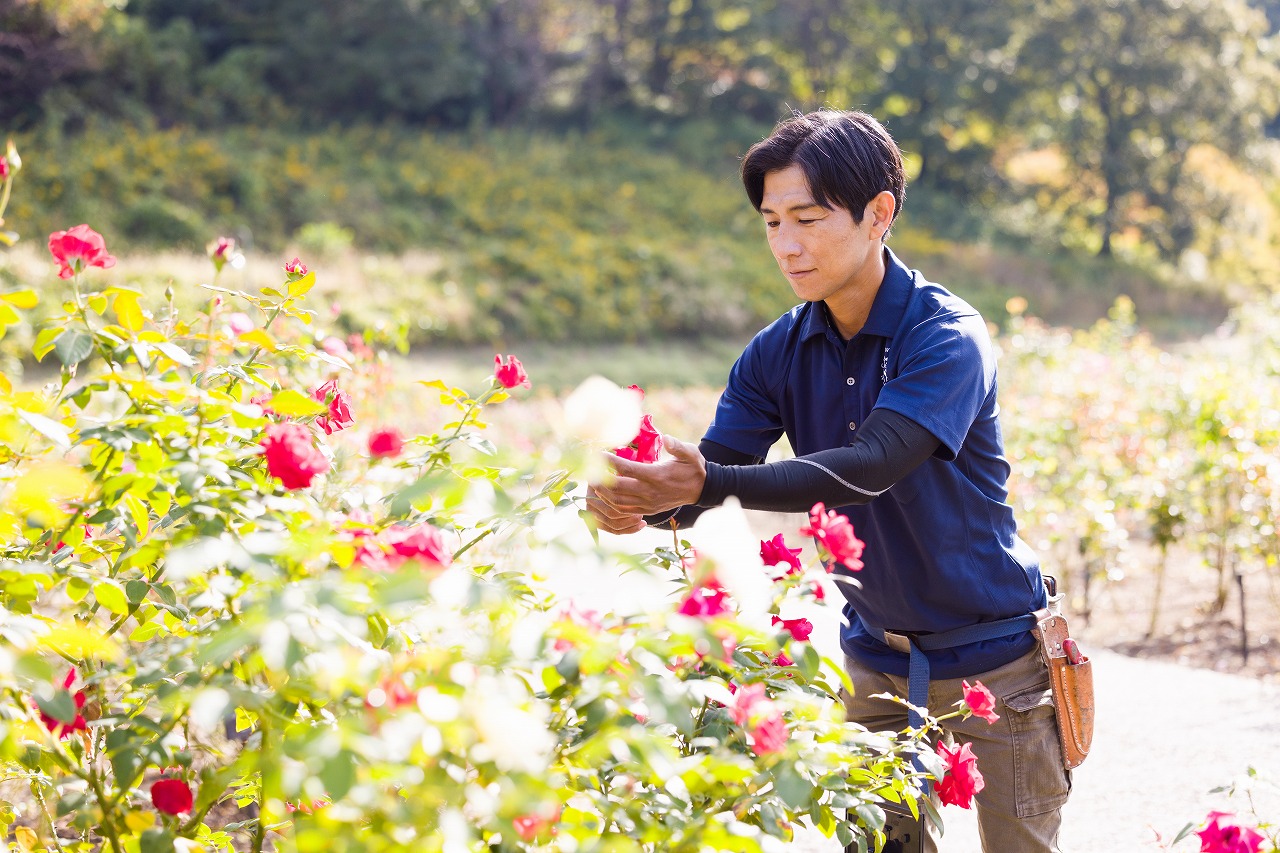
835,535
511,374
291,457
339,403
385,443
79,724
78,248
961,780
646,446
774,552
171,796
1223,833
980,701
223,251
706,602
295,269
422,542
800,629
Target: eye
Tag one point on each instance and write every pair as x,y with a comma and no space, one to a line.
770,224
806,221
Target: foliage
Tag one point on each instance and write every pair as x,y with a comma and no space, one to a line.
507,237
1115,441
209,645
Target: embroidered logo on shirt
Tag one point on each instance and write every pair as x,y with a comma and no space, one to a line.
884,366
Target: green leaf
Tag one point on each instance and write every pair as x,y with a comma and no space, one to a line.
302,285
176,353
111,597
156,840
136,590
45,339
60,705
294,404
339,774
24,299
8,238
8,317
77,589
73,347
50,429
793,788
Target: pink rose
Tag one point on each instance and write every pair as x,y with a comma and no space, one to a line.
4,168
291,457
706,602
77,249
775,552
834,534
79,724
420,542
646,446
385,443
530,827
980,701
239,323
171,796
961,780
1223,833
753,710
336,347
295,269
799,629
339,402
511,374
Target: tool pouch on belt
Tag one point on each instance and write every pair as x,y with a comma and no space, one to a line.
1072,688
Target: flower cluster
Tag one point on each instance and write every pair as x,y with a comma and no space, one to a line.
834,534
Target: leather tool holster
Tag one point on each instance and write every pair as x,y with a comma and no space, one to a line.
1072,688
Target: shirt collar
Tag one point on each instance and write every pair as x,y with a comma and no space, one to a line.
886,311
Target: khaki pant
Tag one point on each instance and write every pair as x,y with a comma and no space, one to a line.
1019,756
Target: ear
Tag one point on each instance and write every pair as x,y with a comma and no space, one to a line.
880,209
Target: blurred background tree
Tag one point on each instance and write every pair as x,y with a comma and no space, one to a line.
1142,133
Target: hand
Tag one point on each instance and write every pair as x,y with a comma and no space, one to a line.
647,488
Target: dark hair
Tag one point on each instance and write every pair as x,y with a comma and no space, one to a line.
848,158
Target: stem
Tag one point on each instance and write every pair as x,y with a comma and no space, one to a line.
44,807
260,831
474,541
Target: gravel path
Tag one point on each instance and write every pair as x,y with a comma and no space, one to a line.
1166,735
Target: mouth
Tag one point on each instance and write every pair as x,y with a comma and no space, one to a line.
795,274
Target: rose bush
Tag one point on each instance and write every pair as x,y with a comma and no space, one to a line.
284,633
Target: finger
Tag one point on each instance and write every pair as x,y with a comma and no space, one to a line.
623,528
681,450
627,493
605,511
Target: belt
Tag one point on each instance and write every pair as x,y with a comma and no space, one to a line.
916,645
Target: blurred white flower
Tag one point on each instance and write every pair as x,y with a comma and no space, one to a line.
601,414
512,736
724,536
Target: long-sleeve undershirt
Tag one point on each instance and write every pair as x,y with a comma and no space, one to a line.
886,448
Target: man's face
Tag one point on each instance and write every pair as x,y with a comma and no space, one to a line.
822,252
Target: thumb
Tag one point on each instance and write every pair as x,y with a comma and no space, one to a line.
682,451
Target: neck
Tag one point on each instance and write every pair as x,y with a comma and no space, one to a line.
850,307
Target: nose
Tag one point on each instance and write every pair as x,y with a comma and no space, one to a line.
785,243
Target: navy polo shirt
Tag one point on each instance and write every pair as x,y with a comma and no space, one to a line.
942,549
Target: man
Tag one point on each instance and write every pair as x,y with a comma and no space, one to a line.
885,385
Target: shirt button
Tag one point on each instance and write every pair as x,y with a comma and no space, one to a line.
852,425
850,381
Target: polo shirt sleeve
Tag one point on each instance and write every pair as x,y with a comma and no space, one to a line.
946,372
747,417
